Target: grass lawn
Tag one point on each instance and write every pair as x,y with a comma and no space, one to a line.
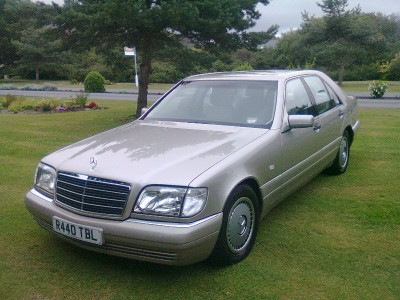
338,237
362,86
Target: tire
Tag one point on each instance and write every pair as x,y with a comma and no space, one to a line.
239,227
342,159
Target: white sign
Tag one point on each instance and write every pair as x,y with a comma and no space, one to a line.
129,51
132,52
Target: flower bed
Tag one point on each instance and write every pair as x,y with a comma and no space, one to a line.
20,104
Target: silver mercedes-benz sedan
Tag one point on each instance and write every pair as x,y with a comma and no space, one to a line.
192,178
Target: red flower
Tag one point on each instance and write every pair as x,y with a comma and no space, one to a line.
91,105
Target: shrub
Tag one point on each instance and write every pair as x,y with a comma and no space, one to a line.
219,66
70,104
21,105
94,83
81,99
55,102
47,105
243,67
8,99
377,89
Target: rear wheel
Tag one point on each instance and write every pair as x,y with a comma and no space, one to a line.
341,161
239,227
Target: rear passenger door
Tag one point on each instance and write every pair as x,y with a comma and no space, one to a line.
329,113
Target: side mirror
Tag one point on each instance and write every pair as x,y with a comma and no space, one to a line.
301,121
143,111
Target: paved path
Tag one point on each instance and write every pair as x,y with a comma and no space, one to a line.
391,100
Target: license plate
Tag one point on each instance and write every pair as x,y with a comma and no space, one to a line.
84,233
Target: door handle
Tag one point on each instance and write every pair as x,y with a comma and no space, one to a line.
317,127
341,113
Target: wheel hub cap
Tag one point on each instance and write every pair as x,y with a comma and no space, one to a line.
344,153
240,225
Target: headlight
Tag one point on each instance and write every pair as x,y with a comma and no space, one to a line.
171,201
45,179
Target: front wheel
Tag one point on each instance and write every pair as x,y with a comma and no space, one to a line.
239,227
341,161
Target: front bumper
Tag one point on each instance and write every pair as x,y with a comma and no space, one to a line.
159,242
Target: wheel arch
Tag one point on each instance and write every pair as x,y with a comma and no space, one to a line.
351,133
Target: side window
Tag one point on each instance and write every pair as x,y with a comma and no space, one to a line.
334,98
297,99
320,94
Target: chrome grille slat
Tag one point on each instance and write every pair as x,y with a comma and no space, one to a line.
92,194
104,198
69,191
93,189
70,199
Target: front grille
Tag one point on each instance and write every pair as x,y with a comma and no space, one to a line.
92,194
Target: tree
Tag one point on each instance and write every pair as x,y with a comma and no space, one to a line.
334,8
35,49
3,37
151,25
24,34
8,17
342,41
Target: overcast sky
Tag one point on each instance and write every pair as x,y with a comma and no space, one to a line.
287,13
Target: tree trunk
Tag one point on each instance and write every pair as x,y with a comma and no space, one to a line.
341,74
145,69
37,72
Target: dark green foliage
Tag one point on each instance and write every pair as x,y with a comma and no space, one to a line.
164,72
219,66
393,71
362,72
76,66
94,83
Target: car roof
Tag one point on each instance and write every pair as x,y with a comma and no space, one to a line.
252,75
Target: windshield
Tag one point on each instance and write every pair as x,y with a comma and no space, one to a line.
227,102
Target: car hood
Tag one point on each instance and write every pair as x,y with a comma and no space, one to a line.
153,152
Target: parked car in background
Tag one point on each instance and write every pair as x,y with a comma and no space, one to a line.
192,178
